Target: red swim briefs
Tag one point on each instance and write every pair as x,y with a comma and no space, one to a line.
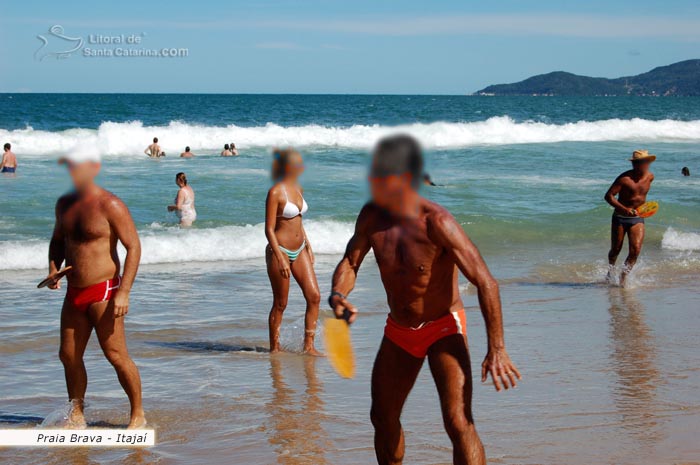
417,341
82,297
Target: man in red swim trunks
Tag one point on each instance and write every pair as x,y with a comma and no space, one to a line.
419,247
89,223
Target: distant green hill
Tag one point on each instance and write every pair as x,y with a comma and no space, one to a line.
678,79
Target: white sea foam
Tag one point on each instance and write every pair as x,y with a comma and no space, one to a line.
132,137
676,240
174,245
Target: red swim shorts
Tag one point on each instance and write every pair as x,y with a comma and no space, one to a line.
82,297
417,341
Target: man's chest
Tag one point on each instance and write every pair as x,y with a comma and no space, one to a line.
84,223
403,250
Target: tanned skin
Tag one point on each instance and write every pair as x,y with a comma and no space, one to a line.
89,223
289,233
420,248
9,159
627,193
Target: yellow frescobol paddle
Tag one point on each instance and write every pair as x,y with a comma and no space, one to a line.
648,209
336,334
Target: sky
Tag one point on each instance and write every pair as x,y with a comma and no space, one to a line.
329,46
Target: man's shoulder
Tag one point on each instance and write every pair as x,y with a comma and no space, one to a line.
436,213
65,200
110,201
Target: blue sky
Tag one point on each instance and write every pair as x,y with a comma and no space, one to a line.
307,46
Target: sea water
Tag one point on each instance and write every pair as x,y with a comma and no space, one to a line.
609,373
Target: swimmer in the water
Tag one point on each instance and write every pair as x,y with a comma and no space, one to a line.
9,160
184,202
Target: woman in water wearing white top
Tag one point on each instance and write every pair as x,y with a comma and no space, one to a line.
184,202
288,253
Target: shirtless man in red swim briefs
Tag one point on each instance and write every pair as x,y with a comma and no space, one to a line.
89,223
419,248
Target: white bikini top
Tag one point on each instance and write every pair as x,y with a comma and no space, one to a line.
290,209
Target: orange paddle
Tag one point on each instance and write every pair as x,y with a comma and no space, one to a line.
58,275
336,334
648,209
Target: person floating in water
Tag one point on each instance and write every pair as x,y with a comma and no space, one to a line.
9,160
420,248
289,253
226,152
685,171
89,223
154,150
234,150
187,153
427,180
184,202
625,195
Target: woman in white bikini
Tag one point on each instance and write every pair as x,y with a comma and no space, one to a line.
289,253
184,202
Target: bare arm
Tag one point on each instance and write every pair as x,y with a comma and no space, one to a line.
446,232
345,273
271,205
57,247
611,197
123,226
179,200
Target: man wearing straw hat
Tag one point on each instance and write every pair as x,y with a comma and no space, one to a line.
627,193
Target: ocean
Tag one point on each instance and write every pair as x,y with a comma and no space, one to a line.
609,373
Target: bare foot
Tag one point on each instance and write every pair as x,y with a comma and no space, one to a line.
76,417
313,352
137,421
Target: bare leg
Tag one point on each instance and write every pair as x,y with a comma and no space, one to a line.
393,376
635,238
75,333
451,369
617,238
303,272
110,333
280,294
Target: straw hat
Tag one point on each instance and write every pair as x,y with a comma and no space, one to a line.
642,155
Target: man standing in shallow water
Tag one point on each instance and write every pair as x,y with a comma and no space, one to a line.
89,223
8,164
419,247
627,193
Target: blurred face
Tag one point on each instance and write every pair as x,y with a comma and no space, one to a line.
391,192
295,166
83,174
641,166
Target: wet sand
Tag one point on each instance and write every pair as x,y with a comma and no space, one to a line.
610,374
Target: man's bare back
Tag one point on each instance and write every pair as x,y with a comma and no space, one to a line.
9,159
419,276
153,150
